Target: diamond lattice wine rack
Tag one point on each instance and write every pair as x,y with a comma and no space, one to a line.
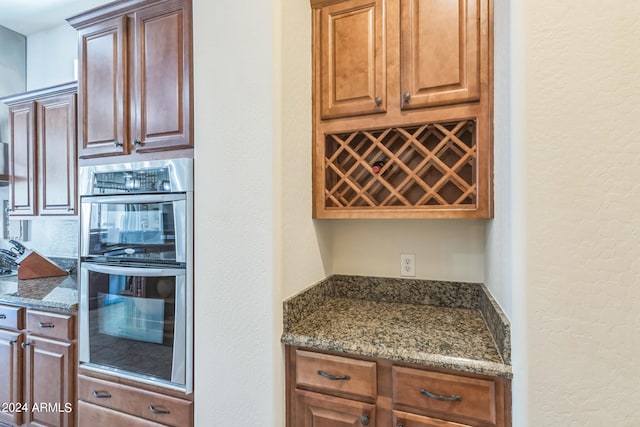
428,167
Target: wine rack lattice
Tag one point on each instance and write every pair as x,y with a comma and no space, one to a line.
431,165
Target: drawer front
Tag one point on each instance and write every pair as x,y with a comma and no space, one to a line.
51,325
98,416
336,374
404,419
445,394
140,403
11,317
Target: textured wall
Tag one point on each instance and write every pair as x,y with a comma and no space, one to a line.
582,151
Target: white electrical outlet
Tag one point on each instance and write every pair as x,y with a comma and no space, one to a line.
408,265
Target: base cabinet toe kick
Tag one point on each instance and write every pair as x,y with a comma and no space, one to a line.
332,390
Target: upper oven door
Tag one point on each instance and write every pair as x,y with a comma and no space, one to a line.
147,228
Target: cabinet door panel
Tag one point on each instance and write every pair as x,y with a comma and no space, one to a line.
57,155
318,410
162,77
22,159
10,376
49,382
102,90
440,52
352,56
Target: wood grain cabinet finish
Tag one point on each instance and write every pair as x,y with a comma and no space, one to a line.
42,151
402,108
39,368
22,159
135,88
135,402
350,49
403,395
99,416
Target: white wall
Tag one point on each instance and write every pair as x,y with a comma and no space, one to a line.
13,64
580,145
50,57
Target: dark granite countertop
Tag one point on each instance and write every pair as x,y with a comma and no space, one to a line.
439,324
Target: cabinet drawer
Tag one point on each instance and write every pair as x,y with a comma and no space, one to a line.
329,373
140,403
445,394
404,419
52,325
97,416
11,317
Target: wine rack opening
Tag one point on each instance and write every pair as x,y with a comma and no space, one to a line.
432,165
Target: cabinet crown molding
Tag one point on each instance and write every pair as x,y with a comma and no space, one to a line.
48,92
111,10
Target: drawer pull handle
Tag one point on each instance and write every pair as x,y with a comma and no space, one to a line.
25,344
159,411
99,394
46,325
440,397
3,316
333,377
12,342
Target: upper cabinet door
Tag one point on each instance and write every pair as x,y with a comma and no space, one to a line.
102,109
350,43
440,52
57,155
162,84
22,159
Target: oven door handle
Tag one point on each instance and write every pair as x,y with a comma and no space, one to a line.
132,271
135,198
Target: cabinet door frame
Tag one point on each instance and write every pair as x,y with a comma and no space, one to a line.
427,83
57,155
310,404
170,127
105,108
22,159
11,376
372,98
45,357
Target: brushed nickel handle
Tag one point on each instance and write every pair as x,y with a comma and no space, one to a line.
3,316
136,142
118,144
70,209
46,325
100,394
364,420
378,100
333,377
25,344
440,397
406,96
158,411
12,342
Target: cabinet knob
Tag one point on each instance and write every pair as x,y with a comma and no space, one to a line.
378,100
118,144
364,420
406,96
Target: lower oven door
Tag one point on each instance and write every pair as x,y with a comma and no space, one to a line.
136,322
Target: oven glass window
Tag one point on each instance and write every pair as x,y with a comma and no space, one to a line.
135,231
132,323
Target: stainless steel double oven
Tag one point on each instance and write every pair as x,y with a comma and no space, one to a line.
136,271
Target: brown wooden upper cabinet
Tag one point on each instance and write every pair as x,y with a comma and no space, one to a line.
42,151
135,85
403,100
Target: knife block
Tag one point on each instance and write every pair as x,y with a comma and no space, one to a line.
32,265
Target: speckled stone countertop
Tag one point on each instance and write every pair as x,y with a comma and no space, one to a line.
438,324
49,293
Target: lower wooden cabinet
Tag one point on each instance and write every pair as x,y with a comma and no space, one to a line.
37,382
331,390
102,402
